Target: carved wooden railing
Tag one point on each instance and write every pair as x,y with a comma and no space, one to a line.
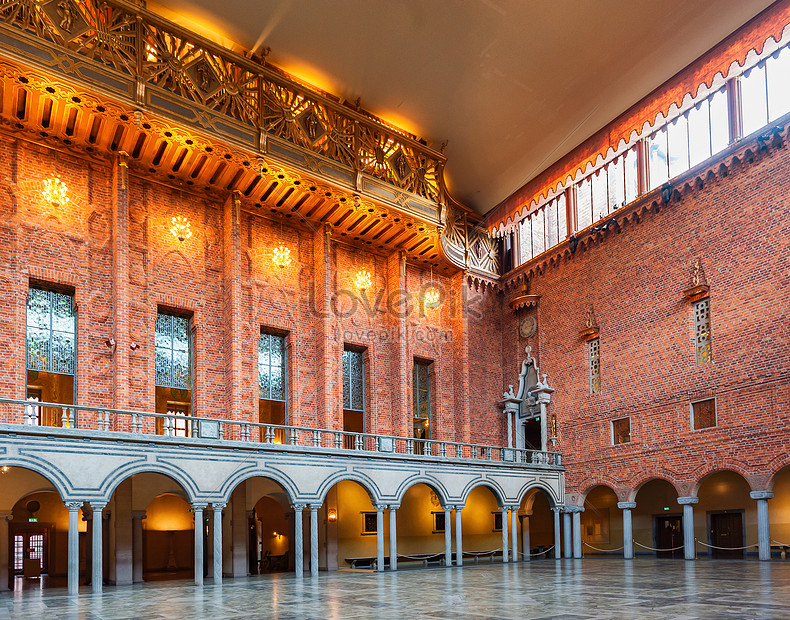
158,53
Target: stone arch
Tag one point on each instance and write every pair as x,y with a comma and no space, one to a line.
649,478
229,485
371,488
435,486
16,492
54,476
498,491
719,469
782,465
595,485
178,476
537,486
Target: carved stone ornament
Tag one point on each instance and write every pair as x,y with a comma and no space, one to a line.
590,330
699,288
524,299
67,19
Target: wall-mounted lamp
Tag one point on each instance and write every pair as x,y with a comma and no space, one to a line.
4,469
331,515
134,346
180,228
277,536
110,343
363,280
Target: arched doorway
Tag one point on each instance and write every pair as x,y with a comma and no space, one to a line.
150,532
657,520
351,527
422,526
725,519
537,526
258,529
482,522
34,527
601,522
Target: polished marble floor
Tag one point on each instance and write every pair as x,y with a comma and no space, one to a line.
565,590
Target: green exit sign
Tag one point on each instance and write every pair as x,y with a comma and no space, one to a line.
32,520
666,508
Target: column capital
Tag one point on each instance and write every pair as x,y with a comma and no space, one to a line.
73,506
380,507
393,506
97,506
298,507
138,514
199,506
557,509
626,505
218,506
688,500
761,494
573,509
314,507
6,515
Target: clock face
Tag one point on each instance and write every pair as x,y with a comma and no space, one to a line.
527,326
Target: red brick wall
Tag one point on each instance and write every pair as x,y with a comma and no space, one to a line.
634,279
224,277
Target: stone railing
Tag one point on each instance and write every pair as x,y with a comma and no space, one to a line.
157,54
87,421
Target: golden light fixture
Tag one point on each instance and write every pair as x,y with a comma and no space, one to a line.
180,228
281,257
4,469
430,296
55,191
331,515
363,280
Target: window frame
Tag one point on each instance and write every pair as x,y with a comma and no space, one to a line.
612,434
436,514
284,366
595,376
715,413
365,515
50,288
699,353
166,311
361,352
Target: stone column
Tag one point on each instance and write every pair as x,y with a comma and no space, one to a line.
690,547
525,534
216,545
198,508
137,545
542,393
314,540
74,547
577,531
514,532
505,554
448,537
394,536
557,538
566,523
628,536
97,555
122,542
5,517
763,533
379,537
459,547
298,541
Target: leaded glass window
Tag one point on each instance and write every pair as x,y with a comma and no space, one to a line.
422,391
51,332
271,367
702,330
353,381
173,351
595,366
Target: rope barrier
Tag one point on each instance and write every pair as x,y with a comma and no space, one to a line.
655,549
780,543
477,554
724,548
604,550
534,554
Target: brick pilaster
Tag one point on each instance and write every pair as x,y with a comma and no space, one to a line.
232,302
120,281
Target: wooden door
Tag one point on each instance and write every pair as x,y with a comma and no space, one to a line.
726,530
669,535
